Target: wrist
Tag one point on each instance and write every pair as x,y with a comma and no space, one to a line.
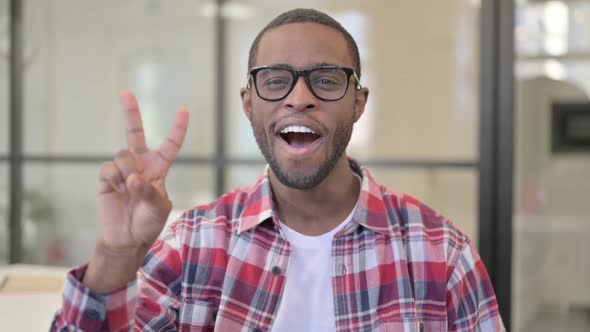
110,269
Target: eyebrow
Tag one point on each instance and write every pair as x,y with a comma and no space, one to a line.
314,65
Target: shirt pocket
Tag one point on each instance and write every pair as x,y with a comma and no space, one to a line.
196,316
413,324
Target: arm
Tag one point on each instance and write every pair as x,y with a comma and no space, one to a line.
133,207
150,299
471,302
84,310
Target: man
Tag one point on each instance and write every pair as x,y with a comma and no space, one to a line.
315,245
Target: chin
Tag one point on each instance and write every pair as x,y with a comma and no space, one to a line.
299,176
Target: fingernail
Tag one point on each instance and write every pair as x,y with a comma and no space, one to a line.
126,98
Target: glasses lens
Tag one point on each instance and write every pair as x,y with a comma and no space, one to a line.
273,83
328,83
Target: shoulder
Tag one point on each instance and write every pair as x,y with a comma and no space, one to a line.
424,229
219,216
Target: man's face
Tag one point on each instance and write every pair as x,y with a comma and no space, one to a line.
300,159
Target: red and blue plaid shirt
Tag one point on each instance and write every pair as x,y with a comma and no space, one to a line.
397,266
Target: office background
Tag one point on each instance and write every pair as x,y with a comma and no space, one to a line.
459,115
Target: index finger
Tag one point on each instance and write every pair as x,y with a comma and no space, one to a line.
135,135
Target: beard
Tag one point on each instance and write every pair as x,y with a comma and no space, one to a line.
304,181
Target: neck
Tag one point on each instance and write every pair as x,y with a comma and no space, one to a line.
320,209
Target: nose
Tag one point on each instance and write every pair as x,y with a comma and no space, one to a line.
301,98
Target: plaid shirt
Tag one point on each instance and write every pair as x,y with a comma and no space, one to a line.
397,266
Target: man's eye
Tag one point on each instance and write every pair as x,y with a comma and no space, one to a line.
276,82
326,81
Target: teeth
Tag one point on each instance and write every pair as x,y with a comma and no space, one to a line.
297,129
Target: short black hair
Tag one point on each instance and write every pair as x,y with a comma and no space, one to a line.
307,16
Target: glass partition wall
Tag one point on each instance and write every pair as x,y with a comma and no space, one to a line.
551,269
75,59
168,53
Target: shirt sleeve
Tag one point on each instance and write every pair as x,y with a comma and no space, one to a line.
471,302
151,300
83,310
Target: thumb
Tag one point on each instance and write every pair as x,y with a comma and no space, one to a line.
144,191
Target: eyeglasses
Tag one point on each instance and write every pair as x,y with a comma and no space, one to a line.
327,83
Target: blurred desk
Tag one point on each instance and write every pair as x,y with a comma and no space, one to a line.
29,296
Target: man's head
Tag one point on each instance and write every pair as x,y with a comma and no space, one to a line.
307,16
303,117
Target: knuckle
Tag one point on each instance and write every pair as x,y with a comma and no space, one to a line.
124,160
140,150
108,171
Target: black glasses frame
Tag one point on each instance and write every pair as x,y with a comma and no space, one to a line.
305,73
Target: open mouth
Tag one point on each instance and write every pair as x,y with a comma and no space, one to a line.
298,136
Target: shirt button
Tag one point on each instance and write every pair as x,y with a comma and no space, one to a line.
214,314
257,329
276,271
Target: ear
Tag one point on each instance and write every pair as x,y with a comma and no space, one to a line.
360,102
245,94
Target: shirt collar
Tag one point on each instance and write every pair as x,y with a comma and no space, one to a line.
372,210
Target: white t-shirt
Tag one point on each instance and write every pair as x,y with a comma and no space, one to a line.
308,298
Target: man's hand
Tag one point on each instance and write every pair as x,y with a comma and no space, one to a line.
132,200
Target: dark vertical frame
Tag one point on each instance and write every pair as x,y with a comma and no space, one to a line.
496,146
221,134
16,141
